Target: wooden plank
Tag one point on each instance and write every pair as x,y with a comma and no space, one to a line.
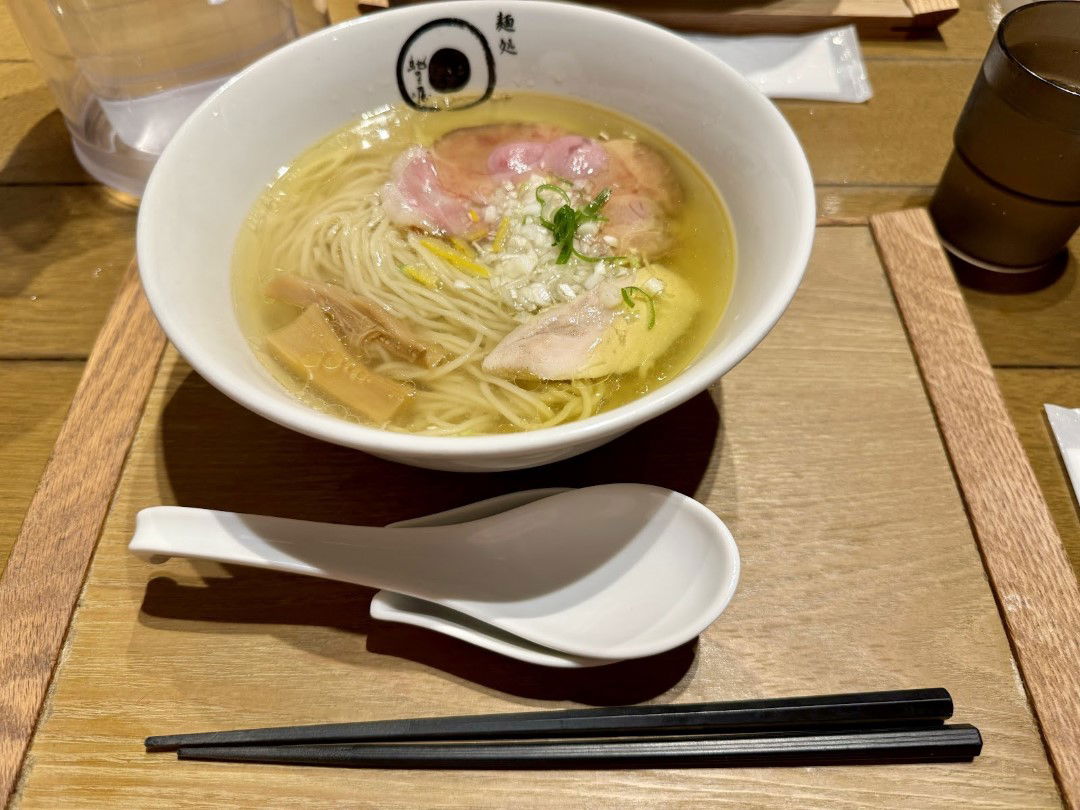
1026,390
964,36
310,15
1031,576
873,18
49,561
33,400
34,143
790,17
925,11
63,250
968,34
859,571
953,30
713,12
341,10
12,47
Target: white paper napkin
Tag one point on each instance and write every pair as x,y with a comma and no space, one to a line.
1065,424
821,66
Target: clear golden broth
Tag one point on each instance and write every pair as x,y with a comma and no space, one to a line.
703,252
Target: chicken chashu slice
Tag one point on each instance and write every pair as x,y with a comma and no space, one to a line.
596,334
361,321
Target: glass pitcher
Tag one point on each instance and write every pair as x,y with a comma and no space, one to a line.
126,73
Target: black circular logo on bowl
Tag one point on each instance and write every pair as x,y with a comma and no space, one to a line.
448,70
445,64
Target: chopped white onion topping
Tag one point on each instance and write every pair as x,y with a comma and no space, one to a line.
524,272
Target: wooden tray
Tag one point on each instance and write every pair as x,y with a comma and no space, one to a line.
874,18
821,451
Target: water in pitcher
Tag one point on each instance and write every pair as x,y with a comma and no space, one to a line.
126,73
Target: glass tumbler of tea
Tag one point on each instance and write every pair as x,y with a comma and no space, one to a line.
1009,199
126,73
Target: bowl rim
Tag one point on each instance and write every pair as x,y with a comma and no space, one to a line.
597,428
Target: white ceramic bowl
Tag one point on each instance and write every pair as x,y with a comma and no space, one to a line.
233,145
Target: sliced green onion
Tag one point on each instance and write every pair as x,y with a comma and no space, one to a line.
591,210
565,222
551,187
613,259
566,250
590,259
628,294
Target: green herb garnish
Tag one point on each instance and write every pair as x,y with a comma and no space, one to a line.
622,260
592,210
566,220
551,187
628,294
590,259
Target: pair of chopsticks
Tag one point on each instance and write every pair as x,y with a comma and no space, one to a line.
868,727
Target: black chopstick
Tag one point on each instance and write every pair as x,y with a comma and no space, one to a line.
904,707
942,744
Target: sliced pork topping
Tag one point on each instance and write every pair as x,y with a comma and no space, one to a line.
462,156
573,157
477,163
570,157
417,197
634,168
637,224
512,160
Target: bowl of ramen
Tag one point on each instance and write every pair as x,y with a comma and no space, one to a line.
476,235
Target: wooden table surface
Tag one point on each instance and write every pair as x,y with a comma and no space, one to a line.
65,241
859,571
